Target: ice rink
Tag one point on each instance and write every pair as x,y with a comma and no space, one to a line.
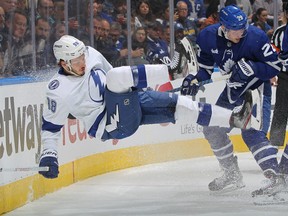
171,188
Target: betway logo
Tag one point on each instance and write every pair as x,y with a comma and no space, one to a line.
19,126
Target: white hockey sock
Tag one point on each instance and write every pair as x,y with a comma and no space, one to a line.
204,114
121,79
156,74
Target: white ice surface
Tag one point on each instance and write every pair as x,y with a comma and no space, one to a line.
171,188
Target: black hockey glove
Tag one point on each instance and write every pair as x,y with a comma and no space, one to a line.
190,86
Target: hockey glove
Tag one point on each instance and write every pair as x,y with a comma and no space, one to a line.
49,158
190,86
242,72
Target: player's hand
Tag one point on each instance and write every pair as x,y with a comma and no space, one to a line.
242,72
190,86
49,158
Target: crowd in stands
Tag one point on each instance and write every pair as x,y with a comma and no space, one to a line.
27,37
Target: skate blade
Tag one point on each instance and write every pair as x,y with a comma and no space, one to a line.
275,199
228,189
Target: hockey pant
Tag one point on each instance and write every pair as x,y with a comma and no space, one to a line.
128,107
256,140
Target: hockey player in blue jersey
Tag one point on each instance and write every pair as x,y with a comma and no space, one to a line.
110,103
243,51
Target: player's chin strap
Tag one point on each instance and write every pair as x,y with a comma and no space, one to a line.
69,69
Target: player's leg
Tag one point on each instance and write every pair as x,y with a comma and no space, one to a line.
264,153
160,107
280,115
121,79
283,165
222,148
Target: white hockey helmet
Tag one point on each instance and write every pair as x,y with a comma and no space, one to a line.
68,48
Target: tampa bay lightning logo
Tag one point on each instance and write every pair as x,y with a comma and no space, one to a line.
53,84
96,85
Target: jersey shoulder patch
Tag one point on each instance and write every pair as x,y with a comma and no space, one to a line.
53,84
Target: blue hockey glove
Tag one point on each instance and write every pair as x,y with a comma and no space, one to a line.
242,72
49,158
190,86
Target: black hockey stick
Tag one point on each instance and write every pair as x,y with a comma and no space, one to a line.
204,82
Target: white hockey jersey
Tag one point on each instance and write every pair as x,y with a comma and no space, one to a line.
80,96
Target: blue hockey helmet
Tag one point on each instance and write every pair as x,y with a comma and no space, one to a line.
233,18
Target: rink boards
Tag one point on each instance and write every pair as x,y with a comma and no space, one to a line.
80,156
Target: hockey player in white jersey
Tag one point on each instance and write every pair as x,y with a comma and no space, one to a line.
111,103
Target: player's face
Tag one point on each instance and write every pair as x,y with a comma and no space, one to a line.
78,65
234,35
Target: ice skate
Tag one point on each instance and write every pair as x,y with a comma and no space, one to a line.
273,193
241,115
276,184
231,179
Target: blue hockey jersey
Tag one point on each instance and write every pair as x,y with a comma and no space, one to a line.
214,48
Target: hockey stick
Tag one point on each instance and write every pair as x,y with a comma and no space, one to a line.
24,169
204,82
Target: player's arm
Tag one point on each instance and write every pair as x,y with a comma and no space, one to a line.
54,116
266,64
283,56
206,66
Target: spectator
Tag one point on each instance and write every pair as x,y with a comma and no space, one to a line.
8,5
246,7
59,7
120,12
139,47
105,44
58,32
105,29
196,9
97,8
269,6
98,30
143,14
23,5
42,48
190,28
157,48
115,35
261,17
164,19
116,42
45,9
166,35
212,14
17,26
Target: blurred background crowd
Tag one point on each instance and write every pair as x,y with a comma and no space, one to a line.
28,28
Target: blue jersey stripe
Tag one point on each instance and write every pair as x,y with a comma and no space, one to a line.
48,126
92,131
205,114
